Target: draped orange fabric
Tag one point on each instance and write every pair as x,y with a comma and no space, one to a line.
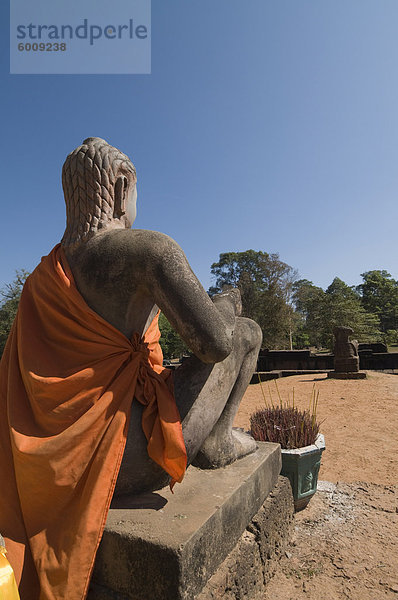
67,381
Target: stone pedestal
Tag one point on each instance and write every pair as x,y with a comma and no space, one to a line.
348,364
162,546
352,375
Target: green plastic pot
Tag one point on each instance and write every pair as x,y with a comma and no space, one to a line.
301,466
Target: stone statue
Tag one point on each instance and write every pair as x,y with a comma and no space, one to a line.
125,276
346,357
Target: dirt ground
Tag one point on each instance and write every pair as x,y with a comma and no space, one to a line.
346,540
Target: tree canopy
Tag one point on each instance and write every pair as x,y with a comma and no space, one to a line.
265,284
379,295
171,343
340,304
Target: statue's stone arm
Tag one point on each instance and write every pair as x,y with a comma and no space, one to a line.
206,327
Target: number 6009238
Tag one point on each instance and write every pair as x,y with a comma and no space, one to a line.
42,47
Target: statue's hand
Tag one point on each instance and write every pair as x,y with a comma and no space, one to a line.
232,297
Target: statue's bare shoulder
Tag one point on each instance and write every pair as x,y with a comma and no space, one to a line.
139,259
144,249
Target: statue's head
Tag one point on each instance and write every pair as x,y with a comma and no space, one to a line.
99,184
342,333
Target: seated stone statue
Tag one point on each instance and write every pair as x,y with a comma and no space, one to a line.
81,374
126,275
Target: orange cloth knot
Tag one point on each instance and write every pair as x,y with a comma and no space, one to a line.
139,345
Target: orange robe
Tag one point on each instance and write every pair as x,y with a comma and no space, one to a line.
67,381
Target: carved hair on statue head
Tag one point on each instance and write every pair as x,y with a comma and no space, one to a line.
89,175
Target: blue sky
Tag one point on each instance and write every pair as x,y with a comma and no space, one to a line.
265,124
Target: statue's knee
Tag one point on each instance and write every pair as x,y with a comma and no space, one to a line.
257,335
252,333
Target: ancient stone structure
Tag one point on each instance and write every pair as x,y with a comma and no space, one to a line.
280,363
346,359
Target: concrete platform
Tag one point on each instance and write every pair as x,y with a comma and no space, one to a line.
161,546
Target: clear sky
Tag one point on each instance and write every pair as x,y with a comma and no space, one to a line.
265,124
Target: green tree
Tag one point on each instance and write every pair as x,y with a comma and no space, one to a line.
265,284
309,301
171,343
10,296
379,295
344,307
339,305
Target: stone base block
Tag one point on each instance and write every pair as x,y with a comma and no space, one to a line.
251,564
352,375
349,364
161,546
